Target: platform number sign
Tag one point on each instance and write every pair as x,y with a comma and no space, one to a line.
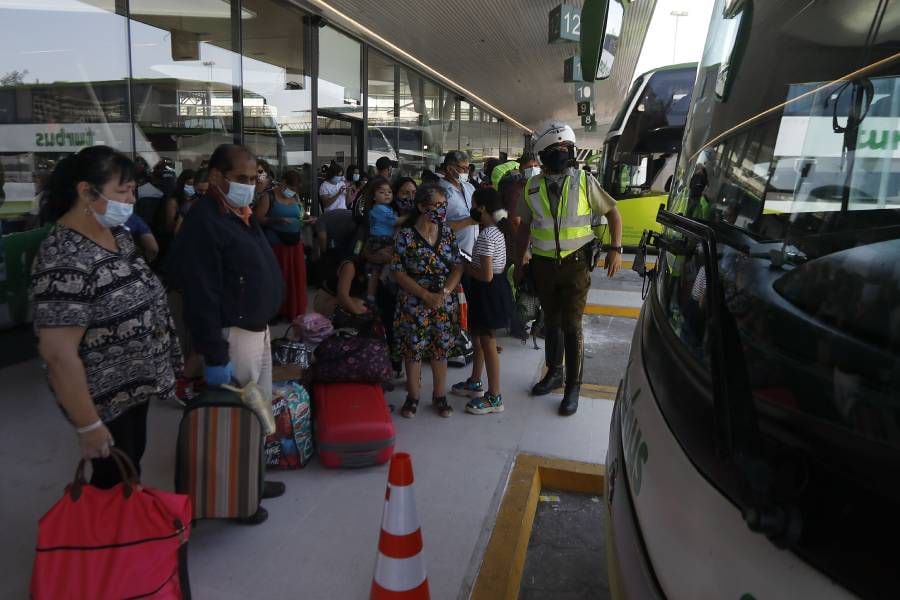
565,24
572,70
589,120
583,92
584,108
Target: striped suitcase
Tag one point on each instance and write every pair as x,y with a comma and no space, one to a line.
220,462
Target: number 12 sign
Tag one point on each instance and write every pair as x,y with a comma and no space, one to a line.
565,24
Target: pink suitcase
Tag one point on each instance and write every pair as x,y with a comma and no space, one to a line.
353,426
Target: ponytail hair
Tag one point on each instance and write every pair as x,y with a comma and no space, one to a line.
491,201
97,165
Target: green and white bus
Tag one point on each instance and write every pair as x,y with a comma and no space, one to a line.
642,146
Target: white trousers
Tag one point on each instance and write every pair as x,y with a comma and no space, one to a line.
251,354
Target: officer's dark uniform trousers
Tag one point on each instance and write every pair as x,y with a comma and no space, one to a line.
562,286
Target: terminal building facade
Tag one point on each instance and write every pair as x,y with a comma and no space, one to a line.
170,80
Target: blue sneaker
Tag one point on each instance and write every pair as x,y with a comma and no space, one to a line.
468,388
483,406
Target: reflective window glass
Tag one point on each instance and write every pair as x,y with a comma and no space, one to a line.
185,74
276,94
63,86
432,147
450,125
382,118
340,70
412,116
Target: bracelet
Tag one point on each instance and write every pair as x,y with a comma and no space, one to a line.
89,428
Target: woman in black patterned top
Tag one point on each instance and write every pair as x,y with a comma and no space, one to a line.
101,315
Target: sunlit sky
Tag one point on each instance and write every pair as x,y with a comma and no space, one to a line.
661,47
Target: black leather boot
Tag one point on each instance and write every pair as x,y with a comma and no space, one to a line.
574,343
553,354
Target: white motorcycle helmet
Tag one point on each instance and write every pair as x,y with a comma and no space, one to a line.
553,133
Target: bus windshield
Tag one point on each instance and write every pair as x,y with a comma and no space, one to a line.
791,157
643,143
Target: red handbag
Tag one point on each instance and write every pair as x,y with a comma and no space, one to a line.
125,542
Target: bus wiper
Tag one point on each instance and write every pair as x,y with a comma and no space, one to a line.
861,96
738,438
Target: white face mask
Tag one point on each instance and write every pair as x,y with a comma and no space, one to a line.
116,213
356,177
240,195
288,193
532,171
189,190
463,177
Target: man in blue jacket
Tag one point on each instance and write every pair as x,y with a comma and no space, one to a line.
231,281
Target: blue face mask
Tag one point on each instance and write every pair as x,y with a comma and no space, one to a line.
189,190
336,179
240,195
116,213
288,193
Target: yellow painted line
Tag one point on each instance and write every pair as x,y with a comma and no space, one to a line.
595,391
589,390
501,570
612,311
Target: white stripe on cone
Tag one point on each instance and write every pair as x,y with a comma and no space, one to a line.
400,517
400,575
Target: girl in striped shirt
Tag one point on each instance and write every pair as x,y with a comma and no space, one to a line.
490,302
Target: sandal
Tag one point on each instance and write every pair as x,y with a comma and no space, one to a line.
443,407
409,408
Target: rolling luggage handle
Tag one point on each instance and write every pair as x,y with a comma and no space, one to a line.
126,469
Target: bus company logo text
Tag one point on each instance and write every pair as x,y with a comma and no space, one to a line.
879,139
635,448
64,139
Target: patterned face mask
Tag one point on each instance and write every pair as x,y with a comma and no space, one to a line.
437,214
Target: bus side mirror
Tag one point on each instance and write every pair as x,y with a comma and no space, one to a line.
601,22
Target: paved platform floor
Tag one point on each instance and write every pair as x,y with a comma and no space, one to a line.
321,538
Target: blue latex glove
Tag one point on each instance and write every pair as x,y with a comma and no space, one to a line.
218,376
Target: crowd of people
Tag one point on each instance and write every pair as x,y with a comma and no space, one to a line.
129,311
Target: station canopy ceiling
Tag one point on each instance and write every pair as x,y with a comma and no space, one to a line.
498,51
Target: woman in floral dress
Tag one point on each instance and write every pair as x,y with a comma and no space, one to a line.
427,267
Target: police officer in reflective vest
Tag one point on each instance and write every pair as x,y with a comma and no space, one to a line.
562,208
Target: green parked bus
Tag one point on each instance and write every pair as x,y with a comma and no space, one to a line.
642,146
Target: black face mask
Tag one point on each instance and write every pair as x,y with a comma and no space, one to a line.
475,213
556,160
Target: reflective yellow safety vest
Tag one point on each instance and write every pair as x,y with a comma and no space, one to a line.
558,238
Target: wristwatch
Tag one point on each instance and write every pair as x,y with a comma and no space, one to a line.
618,249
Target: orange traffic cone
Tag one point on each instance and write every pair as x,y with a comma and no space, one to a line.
400,567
